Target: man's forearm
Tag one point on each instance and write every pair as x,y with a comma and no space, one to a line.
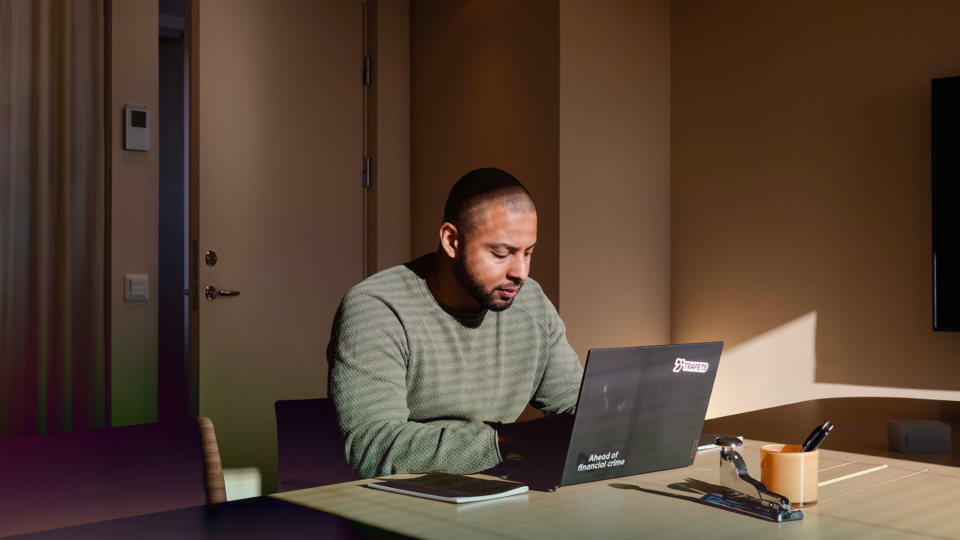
377,449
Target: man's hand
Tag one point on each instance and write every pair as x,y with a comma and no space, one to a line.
525,438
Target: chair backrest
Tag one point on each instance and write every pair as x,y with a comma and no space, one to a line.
310,448
53,481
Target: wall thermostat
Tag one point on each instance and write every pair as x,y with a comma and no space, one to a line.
137,127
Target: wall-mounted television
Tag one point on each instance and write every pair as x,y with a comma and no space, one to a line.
946,204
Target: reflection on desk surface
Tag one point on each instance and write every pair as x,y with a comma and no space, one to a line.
896,499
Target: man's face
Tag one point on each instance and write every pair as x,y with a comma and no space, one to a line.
494,259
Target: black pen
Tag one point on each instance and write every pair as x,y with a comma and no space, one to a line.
823,435
813,435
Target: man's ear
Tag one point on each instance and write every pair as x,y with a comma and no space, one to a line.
449,239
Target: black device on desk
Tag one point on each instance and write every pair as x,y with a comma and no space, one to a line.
640,409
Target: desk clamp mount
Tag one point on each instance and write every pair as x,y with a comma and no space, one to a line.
745,494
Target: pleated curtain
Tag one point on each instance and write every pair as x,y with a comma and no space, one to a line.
53,375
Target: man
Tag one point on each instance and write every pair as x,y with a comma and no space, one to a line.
430,361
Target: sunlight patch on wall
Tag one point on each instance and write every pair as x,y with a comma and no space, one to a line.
779,367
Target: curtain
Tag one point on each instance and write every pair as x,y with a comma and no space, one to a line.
53,375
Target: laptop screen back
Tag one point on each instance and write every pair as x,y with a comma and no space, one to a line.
641,409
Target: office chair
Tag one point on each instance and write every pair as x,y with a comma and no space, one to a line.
53,481
309,445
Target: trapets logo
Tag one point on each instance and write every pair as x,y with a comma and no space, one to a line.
696,367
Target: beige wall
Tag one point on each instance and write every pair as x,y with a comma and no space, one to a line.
615,172
392,161
135,207
483,85
485,93
801,186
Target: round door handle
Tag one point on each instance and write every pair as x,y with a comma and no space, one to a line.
211,292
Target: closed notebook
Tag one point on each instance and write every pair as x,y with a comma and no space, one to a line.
451,488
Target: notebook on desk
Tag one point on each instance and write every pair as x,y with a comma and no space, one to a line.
451,488
640,409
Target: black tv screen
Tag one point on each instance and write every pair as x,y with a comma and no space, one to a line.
946,204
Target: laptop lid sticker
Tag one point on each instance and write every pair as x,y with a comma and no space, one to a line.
611,458
695,367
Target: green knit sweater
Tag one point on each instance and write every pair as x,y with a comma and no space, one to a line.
413,383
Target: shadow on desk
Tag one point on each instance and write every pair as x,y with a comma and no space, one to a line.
697,488
861,424
655,492
256,518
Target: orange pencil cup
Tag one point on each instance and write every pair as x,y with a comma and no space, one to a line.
785,470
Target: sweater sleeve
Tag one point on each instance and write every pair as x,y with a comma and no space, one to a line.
560,384
367,356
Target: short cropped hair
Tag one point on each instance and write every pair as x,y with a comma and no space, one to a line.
477,190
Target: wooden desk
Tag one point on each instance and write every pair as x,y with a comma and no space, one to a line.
906,499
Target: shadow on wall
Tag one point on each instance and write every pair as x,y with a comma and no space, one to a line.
779,367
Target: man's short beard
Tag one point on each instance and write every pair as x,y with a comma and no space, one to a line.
473,286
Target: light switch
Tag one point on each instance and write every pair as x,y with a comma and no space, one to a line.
135,287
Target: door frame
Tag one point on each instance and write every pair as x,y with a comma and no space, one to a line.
192,40
108,212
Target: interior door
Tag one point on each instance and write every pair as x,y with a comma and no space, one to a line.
280,203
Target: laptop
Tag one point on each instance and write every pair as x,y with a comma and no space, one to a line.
640,409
